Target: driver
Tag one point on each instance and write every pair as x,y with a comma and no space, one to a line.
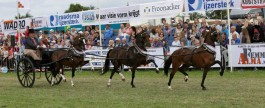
32,46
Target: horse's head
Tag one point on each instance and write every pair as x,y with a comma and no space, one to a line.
211,36
79,43
141,39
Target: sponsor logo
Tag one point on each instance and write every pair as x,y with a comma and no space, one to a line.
253,3
194,5
54,20
161,9
88,16
249,57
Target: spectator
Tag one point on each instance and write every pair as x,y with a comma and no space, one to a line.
117,42
153,33
73,31
233,31
96,38
224,43
235,39
40,36
166,49
156,43
88,45
239,26
257,34
124,43
197,23
178,30
122,30
128,30
51,35
161,36
176,42
217,25
244,36
111,44
107,35
194,41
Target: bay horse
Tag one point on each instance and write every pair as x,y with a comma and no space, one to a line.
72,57
199,57
133,56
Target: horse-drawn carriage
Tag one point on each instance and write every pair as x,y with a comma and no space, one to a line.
26,68
52,61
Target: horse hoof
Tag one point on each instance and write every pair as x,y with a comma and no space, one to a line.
108,86
221,73
123,80
133,86
186,78
203,88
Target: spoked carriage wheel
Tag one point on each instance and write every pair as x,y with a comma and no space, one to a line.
48,75
25,72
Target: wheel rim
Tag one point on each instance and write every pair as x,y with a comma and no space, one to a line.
48,75
25,73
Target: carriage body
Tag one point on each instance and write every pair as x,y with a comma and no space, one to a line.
26,67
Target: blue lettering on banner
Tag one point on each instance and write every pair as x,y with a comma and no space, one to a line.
66,19
88,16
194,5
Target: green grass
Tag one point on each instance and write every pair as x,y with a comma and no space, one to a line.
238,89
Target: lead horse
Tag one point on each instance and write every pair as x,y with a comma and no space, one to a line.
73,57
199,57
134,57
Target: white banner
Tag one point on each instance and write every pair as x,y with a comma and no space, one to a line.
99,60
10,26
164,9
205,5
248,55
253,4
65,19
118,15
39,22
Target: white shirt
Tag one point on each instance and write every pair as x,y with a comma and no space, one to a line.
176,43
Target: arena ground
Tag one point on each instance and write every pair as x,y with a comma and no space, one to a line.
237,89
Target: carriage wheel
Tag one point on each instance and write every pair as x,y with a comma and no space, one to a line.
25,72
48,75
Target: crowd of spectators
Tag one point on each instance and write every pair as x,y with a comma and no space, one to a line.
181,33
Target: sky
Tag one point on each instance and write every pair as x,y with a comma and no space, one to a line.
8,8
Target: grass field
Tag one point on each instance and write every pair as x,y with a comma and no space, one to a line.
238,89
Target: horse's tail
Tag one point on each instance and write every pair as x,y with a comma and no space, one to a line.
107,63
167,65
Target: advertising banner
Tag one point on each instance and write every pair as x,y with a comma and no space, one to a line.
165,9
118,15
248,55
11,26
65,19
206,5
39,22
253,4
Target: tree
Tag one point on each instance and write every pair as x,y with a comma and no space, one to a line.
195,15
217,14
28,15
77,7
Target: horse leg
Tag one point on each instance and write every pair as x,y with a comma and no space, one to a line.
221,66
111,75
205,71
61,70
133,75
120,73
174,70
182,70
153,61
73,75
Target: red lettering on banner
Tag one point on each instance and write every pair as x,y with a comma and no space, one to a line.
242,59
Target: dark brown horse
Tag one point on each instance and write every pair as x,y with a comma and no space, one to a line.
134,57
72,57
199,57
